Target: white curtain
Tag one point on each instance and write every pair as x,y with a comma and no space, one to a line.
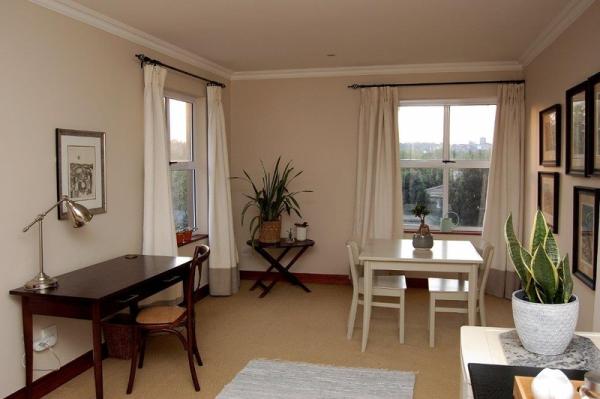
378,199
505,185
158,228
223,271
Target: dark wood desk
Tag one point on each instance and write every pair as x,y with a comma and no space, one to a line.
275,263
97,291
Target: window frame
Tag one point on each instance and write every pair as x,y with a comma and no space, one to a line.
195,164
440,163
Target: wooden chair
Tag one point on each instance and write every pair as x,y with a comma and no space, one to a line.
167,319
444,289
386,286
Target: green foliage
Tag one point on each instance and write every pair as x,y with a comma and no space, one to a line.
545,276
273,198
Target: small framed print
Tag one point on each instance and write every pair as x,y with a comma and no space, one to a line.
548,193
577,137
594,122
80,169
550,137
585,234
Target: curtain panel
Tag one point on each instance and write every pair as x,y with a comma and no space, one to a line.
378,198
223,262
505,186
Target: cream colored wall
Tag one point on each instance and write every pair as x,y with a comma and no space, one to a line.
571,59
58,72
314,123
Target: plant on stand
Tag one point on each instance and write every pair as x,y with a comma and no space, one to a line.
422,239
271,200
545,311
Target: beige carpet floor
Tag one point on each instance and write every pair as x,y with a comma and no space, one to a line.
293,325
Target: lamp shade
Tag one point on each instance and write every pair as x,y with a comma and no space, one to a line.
78,213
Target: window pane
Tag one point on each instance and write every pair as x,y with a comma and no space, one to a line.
467,191
472,131
421,130
180,130
182,192
423,186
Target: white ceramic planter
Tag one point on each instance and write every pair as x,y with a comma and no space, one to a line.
545,329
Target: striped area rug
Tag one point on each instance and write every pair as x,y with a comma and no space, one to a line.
267,379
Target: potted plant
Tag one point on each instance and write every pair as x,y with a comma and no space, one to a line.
545,311
271,200
422,239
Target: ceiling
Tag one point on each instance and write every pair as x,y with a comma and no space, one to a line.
252,35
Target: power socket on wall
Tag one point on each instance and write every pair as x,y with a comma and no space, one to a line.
48,338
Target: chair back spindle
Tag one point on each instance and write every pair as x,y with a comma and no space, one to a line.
201,254
353,262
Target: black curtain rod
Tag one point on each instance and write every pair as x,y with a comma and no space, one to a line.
147,60
480,82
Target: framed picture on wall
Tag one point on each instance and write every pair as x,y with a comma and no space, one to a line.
594,121
577,139
80,169
550,136
585,234
548,191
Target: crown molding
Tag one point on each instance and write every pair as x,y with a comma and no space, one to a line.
91,17
558,25
379,70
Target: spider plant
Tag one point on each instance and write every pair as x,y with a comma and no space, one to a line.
274,197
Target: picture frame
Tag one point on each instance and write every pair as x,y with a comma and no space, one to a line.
594,123
80,169
550,136
585,234
577,138
548,197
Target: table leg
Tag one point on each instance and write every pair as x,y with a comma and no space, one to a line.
97,344
368,298
473,294
28,342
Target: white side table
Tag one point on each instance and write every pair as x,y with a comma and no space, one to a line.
482,345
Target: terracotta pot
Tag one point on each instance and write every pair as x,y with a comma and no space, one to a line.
270,232
183,236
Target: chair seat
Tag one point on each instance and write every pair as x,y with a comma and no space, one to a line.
447,285
384,283
160,314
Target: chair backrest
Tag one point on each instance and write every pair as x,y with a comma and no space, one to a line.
192,292
352,248
486,250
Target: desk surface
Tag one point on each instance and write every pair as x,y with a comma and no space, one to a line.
108,278
283,243
443,251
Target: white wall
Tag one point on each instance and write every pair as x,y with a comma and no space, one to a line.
571,59
57,72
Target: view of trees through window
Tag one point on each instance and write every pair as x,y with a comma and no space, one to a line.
460,135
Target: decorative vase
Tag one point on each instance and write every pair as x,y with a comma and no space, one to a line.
545,329
422,239
270,231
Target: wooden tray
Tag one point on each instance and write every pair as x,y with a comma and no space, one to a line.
522,387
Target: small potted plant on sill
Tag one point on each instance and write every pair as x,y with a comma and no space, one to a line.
183,234
271,201
422,239
545,311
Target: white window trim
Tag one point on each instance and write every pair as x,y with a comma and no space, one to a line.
457,163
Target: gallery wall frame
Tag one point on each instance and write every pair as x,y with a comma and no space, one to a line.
548,197
550,136
593,123
585,234
577,138
81,169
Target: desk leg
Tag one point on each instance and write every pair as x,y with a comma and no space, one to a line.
28,342
368,298
473,294
97,341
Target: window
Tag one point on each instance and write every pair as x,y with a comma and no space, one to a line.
179,113
445,151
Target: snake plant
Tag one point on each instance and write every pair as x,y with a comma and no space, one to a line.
546,277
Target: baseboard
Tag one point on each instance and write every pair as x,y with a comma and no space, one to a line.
314,278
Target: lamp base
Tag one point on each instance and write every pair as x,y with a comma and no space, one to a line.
41,282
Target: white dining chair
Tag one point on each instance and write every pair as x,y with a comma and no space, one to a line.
383,286
447,289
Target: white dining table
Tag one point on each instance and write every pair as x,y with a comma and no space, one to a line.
399,255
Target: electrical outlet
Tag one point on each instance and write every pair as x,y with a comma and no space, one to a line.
48,338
